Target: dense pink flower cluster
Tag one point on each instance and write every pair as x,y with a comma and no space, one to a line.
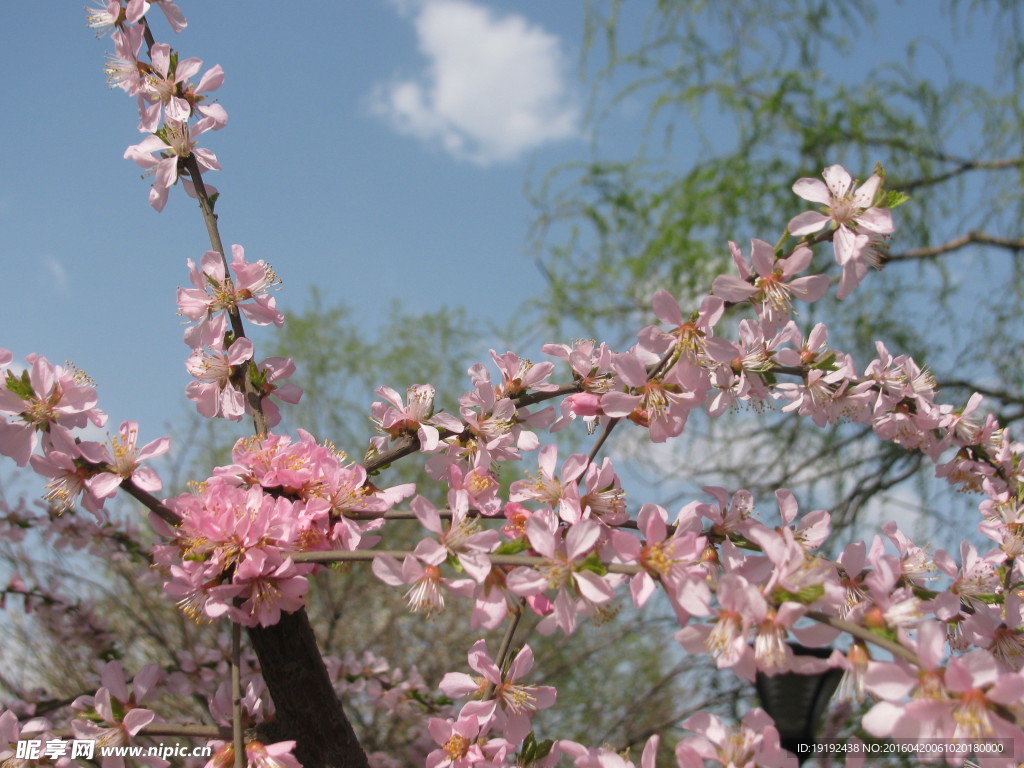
232,551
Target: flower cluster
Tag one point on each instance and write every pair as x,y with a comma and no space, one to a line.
232,550
222,360
42,407
167,99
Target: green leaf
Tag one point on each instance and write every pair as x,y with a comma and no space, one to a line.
593,564
893,199
513,547
805,596
20,386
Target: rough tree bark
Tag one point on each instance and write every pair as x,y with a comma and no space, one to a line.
308,709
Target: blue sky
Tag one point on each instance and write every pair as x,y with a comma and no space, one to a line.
378,149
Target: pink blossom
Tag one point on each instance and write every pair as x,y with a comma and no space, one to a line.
174,141
859,226
217,392
268,373
560,492
772,283
963,700
172,91
579,590
278,755
661,405
514,702
673,559
227,532
215,292
488,417
463,745
754,742
688,337
267,585
590,362
68,474
976,577
464,539
137,9
116,715
603,757
103,17
43,398
519,375
848,208
162,88
122,462
122,69
426,595
416,417
603,496
726,638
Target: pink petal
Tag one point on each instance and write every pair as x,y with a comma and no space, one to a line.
877,220
667,308
838,180
813,190
807,223
732,288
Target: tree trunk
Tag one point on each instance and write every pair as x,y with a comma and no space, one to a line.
308,710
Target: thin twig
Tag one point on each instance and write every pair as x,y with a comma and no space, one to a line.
506,644
236,694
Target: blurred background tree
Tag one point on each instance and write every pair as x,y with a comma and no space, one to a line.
741,99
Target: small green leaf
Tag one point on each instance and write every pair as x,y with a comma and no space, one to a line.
593,564
893,199
805,596
513,547
20,386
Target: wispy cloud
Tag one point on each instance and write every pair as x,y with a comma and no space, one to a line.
57,276
492,88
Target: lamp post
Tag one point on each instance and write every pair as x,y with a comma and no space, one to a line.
796,702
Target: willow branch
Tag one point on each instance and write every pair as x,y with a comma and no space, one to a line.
1015,245
963,166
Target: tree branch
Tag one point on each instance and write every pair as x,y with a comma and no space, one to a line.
1015,245
963,166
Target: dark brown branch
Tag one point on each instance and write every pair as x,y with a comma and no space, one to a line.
993,394
1015,245
151,502
410,444
253,397
963,166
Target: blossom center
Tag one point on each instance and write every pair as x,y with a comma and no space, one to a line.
456,747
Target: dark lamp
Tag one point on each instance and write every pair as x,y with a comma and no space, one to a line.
796,702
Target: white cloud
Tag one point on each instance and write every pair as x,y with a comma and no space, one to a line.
492,89
57,275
